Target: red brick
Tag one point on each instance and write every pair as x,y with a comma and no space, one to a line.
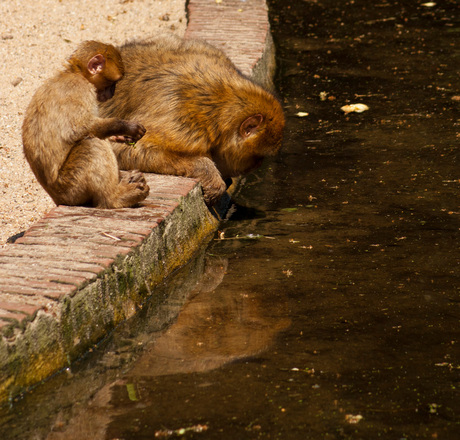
234,26
28,309
40,251
79,247
6,315
47,272
14,284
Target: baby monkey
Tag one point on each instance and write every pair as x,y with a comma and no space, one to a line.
64,137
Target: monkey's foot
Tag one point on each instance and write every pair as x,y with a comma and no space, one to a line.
133,186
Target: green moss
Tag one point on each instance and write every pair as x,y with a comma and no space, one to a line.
48,343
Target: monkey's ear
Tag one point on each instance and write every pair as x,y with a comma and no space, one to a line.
96,64
251,125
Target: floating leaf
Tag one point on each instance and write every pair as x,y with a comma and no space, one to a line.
353,419
357,108
131,392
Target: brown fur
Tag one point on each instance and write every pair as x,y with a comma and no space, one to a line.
203,118
63,135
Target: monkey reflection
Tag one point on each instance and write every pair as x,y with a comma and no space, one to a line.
216,326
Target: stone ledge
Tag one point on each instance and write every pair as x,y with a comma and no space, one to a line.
79,272
241,29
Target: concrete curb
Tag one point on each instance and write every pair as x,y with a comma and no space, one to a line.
79,272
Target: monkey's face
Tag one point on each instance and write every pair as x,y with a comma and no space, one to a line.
105,84
104,75
251,164
257,137
105,93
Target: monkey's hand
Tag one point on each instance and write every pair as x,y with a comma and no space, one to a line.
117,130
213,186
122,139
132,133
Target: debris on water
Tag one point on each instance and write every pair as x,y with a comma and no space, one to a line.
130,388
356,108
304,370
353,419
324,96
301,114
449,365
180,431
221,236
429,4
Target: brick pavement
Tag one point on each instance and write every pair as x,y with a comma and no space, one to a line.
78,272
238,27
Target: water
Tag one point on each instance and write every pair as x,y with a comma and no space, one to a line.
330,307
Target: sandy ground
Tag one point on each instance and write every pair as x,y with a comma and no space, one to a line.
36,36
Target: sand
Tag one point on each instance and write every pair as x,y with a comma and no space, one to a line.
36,36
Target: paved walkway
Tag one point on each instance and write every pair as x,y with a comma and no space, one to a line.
78,272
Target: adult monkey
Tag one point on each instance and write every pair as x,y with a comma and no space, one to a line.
204,119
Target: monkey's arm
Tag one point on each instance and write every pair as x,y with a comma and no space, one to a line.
160,160
103,128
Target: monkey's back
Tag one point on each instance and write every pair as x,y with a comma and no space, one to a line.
58,116
169,69
184,92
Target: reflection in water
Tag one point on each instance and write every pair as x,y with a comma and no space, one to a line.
213,327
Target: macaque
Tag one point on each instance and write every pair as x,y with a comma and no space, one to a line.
204,119
63,135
